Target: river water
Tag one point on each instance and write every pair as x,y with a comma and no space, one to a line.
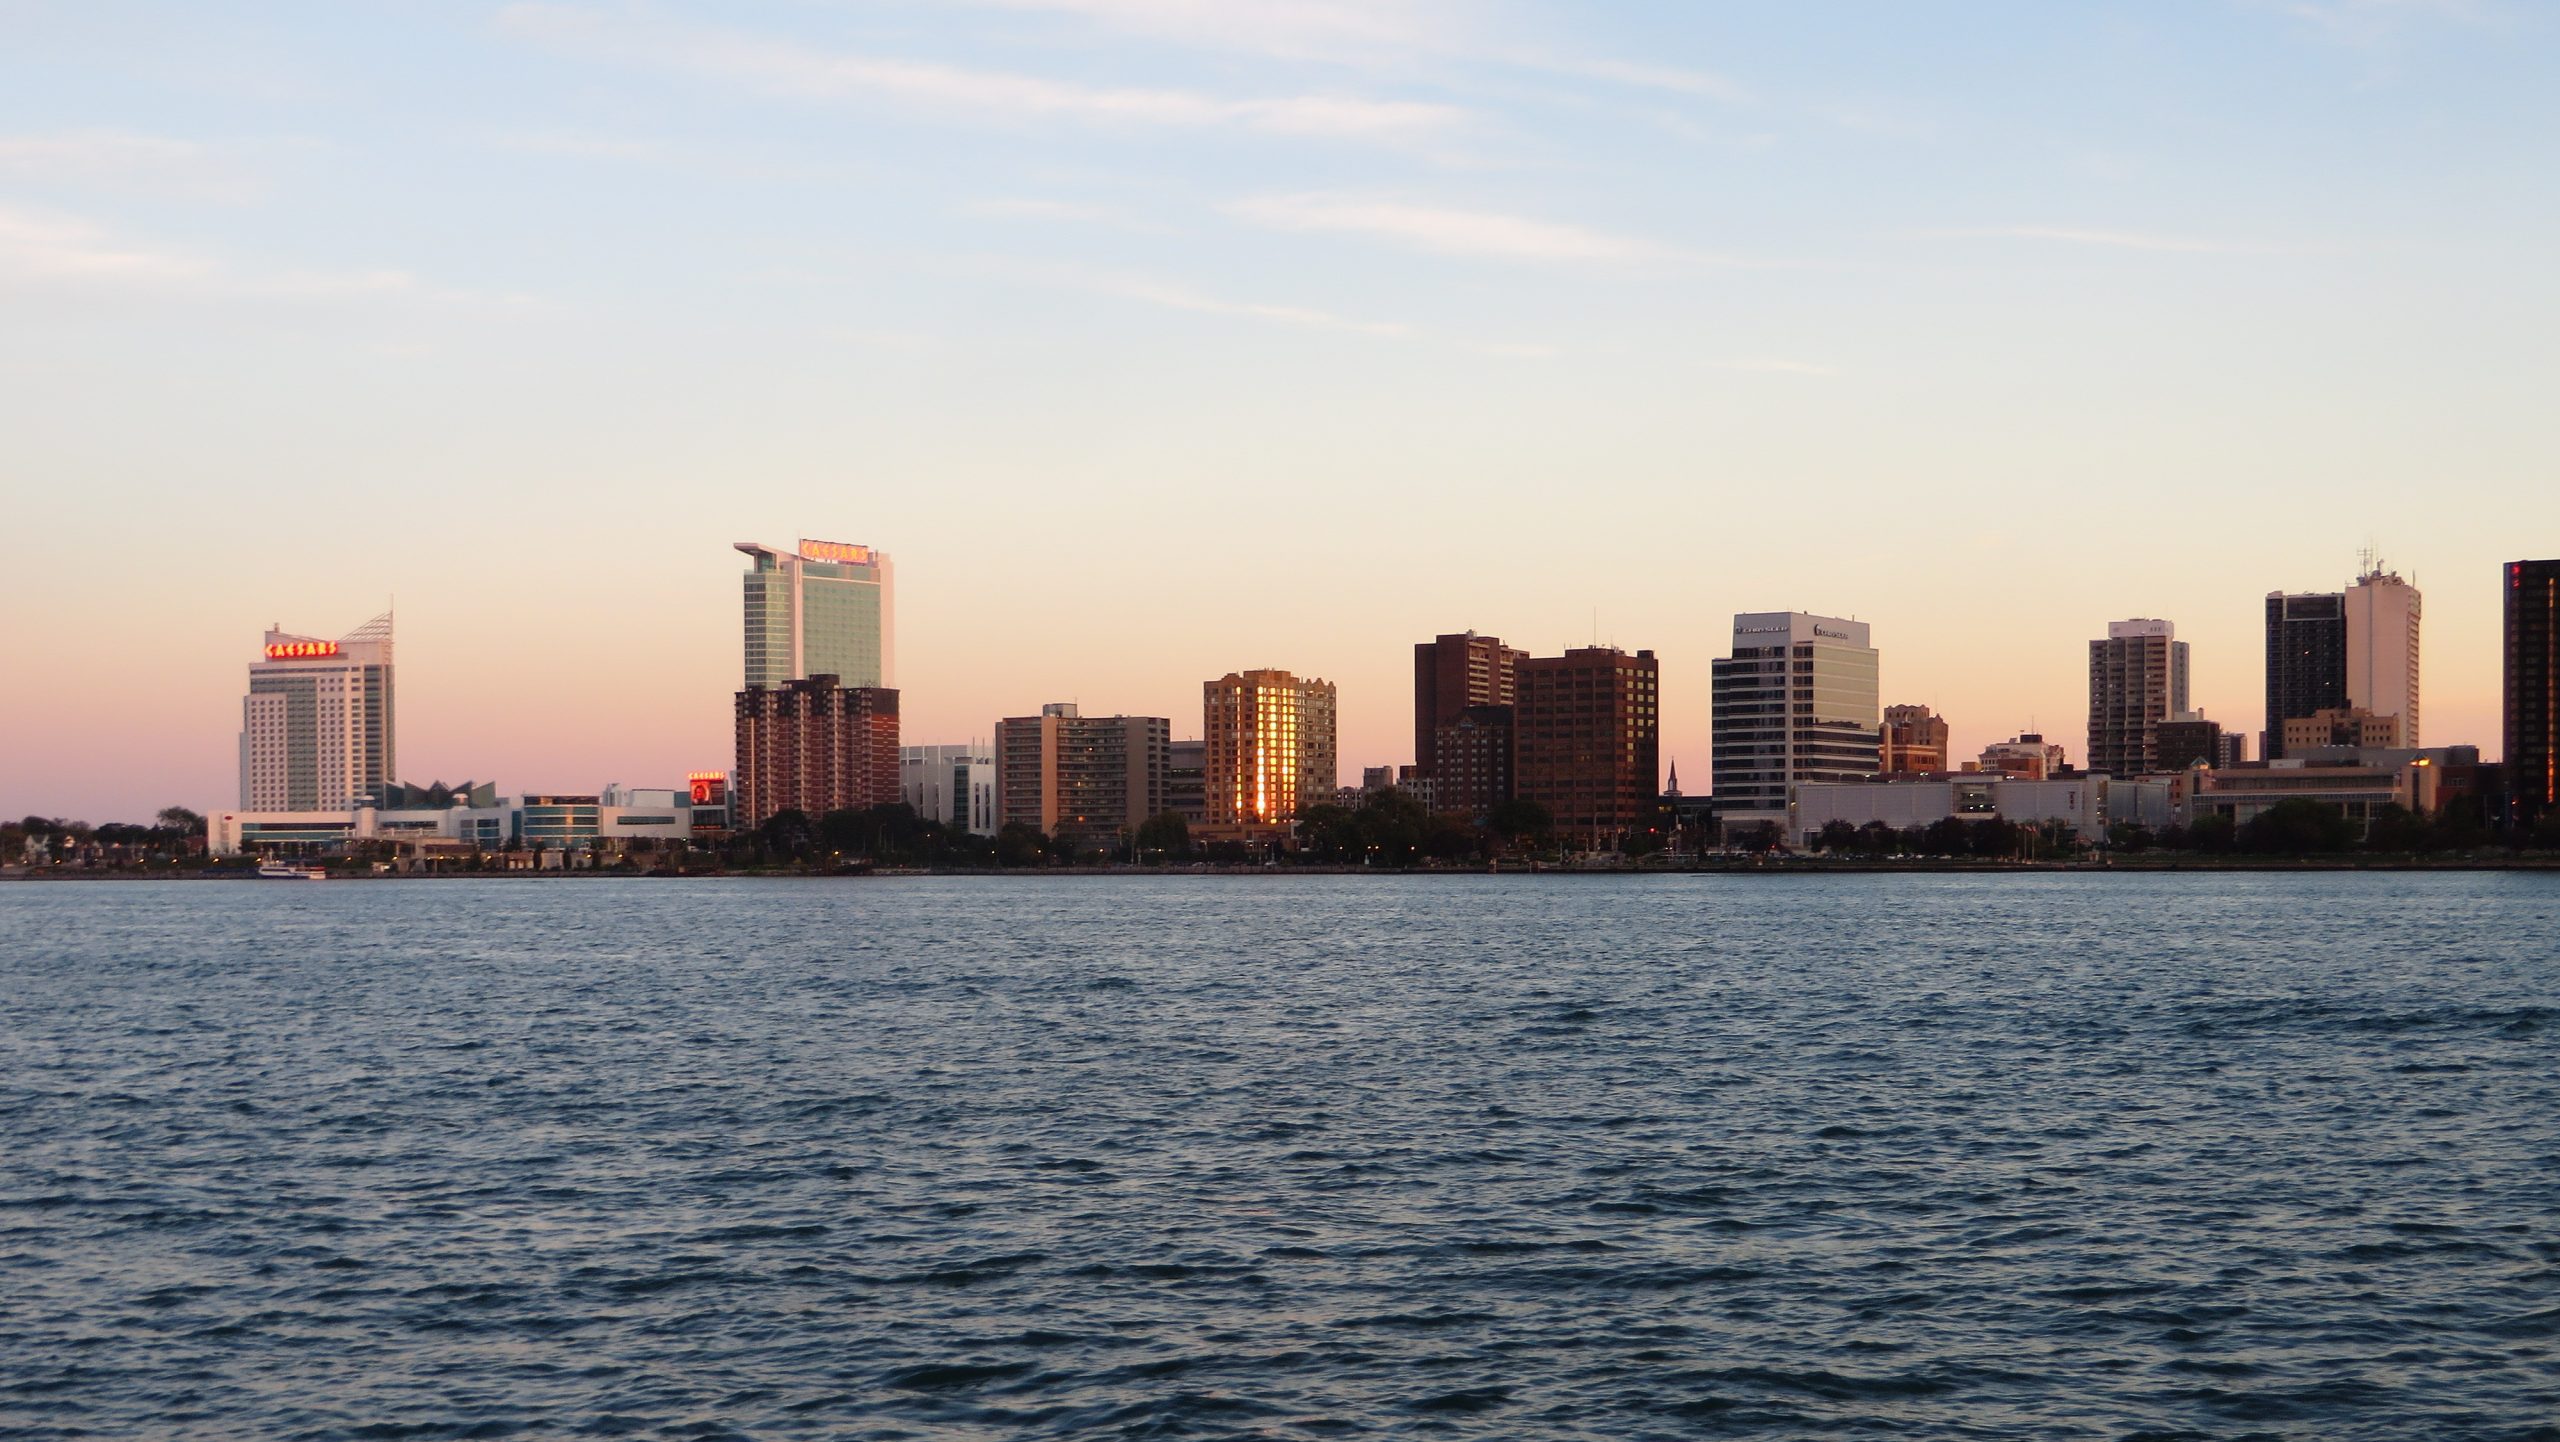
2028,1156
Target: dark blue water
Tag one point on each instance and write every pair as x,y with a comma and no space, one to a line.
2033,1157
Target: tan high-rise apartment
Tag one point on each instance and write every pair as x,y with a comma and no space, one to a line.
1914,741
2137,681
1092,779
1270,747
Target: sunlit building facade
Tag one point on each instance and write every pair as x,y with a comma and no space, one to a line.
814,746
317,728
1090,779
1270,752
826,609
1914,742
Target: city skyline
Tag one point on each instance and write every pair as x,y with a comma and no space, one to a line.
1036,297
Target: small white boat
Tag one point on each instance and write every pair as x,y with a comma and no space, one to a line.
287,871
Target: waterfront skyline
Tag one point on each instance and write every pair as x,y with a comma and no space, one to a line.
1534,322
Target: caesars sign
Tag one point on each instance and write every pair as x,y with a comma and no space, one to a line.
301,650
835,553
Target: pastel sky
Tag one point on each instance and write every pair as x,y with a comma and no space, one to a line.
1156,339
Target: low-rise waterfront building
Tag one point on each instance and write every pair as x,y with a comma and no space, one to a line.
1913,743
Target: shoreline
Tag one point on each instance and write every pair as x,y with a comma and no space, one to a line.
1798,867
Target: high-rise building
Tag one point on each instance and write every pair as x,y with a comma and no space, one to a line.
2336,649
1270,752
2306,660
953,785
1586,740
1914,742
2532,676
814,745
2382,648
1091,779
2137,680
1450,674
1796,701
316,729
826,609
1471,769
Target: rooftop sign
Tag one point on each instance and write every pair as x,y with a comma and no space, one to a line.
835,553
301,650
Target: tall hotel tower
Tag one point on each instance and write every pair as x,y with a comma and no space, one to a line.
816,721
316,730
2532,752
824,610
2332,650
1796,701
2137,681
1270,747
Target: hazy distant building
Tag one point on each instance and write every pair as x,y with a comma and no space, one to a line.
814,745
2137,680
1796,701
1270,751
1586,740
954,785
2024,757
2334,649
316,729
1914,741
1092,779
2532,688
826,609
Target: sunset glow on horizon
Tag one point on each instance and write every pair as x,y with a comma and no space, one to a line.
1155,341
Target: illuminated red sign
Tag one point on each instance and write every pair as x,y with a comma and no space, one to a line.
835,553
301,650
710,788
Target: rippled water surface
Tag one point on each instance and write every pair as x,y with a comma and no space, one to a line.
1913,1156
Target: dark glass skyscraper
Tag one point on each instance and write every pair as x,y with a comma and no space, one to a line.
2532,752
2306,661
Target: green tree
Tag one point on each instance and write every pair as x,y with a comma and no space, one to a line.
1391,826
2298,826
1166,836
787,835
1328,832
1020,844
1838,837
1520,822
2398,831
2213,834
2129,837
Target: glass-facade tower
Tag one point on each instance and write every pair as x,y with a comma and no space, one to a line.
823,610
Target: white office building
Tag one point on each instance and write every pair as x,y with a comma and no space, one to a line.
317,729
1798,701
954,785
2382,649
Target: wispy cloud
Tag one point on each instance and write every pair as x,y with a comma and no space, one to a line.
1173,295
54,252
779,68
2371,22
1364,34
2111,239
1443,231
124,160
